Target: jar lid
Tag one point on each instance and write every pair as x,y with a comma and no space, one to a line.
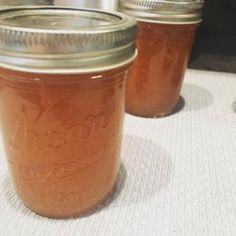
62,40
164,11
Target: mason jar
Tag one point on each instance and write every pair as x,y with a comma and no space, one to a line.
62,92
166,31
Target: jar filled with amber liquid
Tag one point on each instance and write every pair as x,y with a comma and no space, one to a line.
166,31
62,92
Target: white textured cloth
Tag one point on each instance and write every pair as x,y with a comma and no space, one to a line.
178,175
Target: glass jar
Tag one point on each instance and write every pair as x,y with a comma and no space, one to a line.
166,31
62,78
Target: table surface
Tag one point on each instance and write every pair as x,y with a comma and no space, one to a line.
178,174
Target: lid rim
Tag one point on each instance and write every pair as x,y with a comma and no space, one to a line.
169,22
70,71
23,47
164,10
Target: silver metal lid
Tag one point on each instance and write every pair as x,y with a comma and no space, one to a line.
164,11
61,40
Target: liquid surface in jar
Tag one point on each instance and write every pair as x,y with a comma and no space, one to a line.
155,79
62,135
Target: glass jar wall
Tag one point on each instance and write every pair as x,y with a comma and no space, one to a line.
62,94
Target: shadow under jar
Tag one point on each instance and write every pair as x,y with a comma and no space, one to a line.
166,31
62,81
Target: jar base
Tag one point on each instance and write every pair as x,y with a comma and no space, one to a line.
79,214
180,104
155,116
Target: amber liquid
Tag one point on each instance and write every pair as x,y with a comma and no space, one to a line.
62,136
156,77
